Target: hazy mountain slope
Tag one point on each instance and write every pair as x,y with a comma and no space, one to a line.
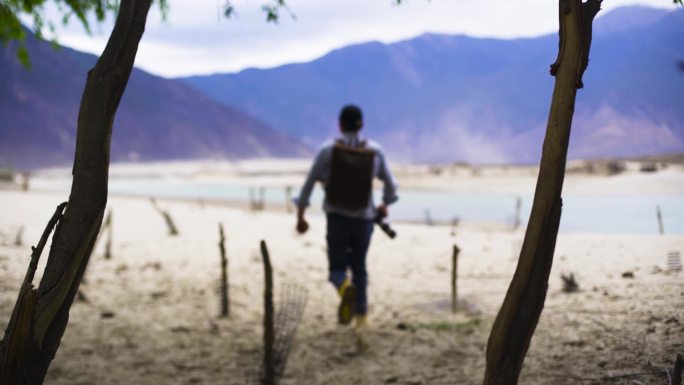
447,98
158,118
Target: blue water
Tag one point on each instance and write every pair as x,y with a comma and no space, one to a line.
581,213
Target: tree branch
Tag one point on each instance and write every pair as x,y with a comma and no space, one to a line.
27,288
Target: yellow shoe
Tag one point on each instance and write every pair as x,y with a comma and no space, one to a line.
345,311
361,321
345,284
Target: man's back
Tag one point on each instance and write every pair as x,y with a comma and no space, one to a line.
322,171
350,183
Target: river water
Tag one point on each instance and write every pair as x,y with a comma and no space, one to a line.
581,212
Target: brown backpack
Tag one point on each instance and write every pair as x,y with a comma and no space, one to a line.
351,176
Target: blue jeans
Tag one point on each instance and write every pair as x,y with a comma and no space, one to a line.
348,240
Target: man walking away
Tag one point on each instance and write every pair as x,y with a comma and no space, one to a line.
346,167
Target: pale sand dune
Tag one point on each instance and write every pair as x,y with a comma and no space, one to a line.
165,329
457,178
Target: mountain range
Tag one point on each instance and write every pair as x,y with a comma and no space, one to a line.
433,98
158,118
442,98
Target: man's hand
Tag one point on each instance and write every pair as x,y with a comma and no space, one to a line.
382,211
302,225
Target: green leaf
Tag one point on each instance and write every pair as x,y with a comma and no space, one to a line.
271,13
23,55
228,11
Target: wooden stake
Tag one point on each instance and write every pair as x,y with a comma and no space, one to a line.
108,243
173,230
106,225
454,276
677,373
262,197
659,215
288,199
518,207
454,224
18,241
26,177
428,217
269,335
225,304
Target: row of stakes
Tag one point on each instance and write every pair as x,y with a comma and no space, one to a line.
517,218
224,288
257,202
673,259
257,198
280,325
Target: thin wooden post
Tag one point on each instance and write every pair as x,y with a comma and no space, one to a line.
454,225
288,199
225,304
173,230
26,177
106,225
108,243
269,334
677,373
659,215
454,277
428,217
674,261
262,198
518,207
19,241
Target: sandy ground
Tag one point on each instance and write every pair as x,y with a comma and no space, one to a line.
151,311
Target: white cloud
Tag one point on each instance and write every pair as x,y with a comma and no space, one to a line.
196,39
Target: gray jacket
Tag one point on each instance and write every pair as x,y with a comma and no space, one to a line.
320,171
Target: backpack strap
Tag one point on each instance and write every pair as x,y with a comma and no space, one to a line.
362,146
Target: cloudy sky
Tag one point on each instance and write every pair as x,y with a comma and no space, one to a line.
196,39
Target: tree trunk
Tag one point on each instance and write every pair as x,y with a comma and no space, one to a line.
519,314
269,326
41,315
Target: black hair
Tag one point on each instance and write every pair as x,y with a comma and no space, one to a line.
351,118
